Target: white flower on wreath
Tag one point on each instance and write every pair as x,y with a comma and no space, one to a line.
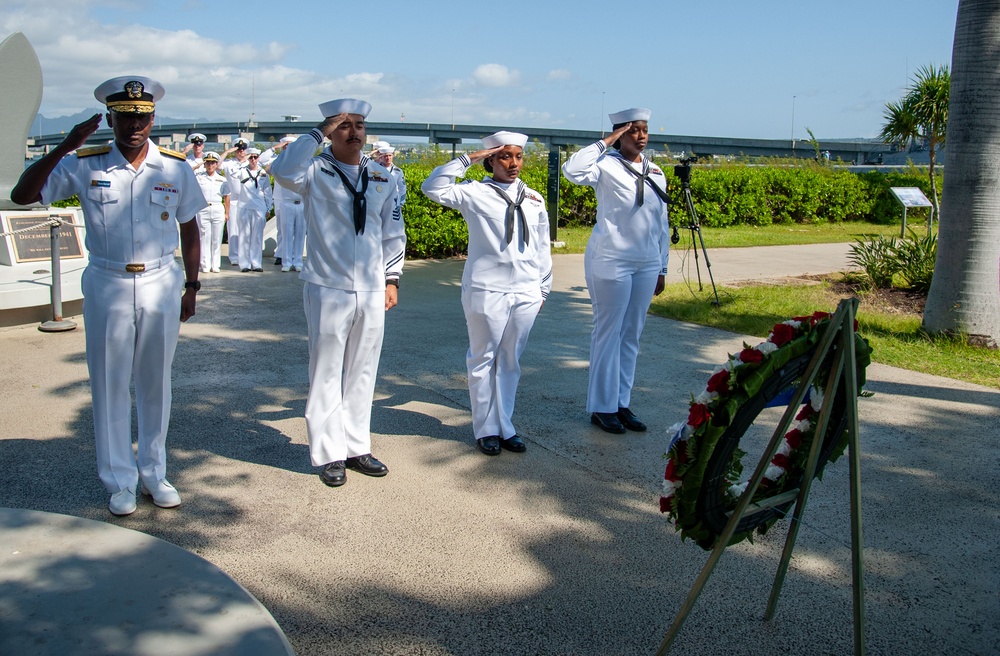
767,348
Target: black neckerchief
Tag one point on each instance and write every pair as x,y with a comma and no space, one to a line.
360,200
641,180
253,177
513,207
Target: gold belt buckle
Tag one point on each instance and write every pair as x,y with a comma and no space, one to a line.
135,268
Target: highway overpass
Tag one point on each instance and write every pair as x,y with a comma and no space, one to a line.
263,132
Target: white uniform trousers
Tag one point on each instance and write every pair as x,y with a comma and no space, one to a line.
210,223
132,324
233,231
251,237
620,294
498,325
292,228
345,343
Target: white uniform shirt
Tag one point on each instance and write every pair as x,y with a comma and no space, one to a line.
195,162
337,257
131,215
397,175
213,187
624,231
231,169
493,264
255,189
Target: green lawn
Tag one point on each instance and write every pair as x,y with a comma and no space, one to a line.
773,235
896,339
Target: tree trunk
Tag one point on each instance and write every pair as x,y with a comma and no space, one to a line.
965,294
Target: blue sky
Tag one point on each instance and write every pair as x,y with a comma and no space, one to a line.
765,69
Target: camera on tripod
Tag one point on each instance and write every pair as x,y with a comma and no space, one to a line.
683,170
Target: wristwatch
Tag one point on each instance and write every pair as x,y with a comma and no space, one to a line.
195,285
392,281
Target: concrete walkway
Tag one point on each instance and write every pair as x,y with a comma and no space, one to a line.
561,550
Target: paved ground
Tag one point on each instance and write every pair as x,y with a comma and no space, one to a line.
560,550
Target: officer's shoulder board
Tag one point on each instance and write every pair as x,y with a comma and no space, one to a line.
93,150
172,153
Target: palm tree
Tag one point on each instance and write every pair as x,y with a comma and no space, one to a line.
921,114
965,293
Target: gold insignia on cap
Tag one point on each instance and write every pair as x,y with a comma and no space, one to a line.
134,89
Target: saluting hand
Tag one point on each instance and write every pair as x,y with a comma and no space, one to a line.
81,131
480,155
616,135
331,123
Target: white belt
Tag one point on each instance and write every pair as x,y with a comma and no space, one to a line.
131,267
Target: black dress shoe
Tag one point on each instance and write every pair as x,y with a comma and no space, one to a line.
258,270
277,261
367,465
515,444
490,445
245,270
607,421
630,421
333,474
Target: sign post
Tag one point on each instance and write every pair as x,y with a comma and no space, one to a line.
912,197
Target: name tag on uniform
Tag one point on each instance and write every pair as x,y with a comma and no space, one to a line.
100,183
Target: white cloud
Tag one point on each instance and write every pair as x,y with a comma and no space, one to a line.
559,74
495,75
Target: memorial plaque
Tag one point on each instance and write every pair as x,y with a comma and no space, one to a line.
36,245
910,196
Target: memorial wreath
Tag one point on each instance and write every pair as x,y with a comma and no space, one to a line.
703,477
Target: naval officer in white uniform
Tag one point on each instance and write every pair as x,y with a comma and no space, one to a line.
212,219
625,262
231,169
353,262
195,150
133,195
506,279
255,202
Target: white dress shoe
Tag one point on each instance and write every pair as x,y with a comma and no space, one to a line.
286,269
164,494
122,502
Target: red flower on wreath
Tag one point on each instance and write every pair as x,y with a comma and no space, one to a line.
813,319
671,473
805,413
751,356
780,460
699,415
781,334
794,438
719,383
666,504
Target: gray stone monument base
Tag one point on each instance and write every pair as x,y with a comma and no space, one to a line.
77,586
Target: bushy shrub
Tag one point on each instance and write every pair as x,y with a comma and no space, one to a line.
895,262
780,191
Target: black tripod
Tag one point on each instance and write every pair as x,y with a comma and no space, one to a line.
683,171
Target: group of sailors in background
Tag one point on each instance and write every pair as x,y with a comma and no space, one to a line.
240,193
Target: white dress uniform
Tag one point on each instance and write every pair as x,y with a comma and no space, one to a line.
265,160
255,201
345,275
503,285
212,219
132,290
290,213
627,251
231,169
